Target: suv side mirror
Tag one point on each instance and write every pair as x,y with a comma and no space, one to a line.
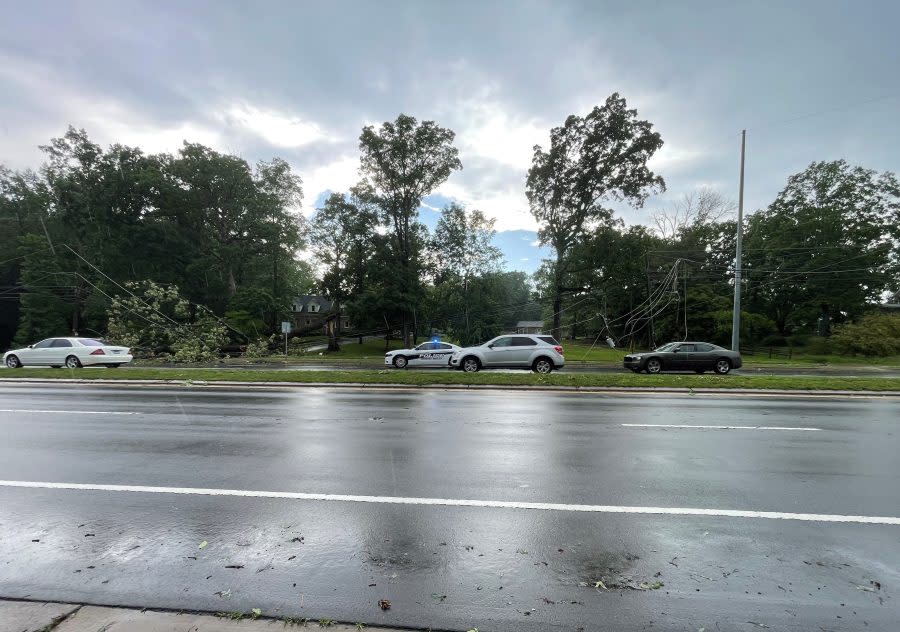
490,346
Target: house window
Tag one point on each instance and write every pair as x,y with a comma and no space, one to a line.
313,307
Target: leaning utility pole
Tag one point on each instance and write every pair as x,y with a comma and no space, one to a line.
736,314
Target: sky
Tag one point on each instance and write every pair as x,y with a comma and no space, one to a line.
808,80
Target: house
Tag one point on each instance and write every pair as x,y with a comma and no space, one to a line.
529,326
311,311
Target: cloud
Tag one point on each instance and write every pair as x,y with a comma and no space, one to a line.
279,83
276,128
507,205
336,176
492,133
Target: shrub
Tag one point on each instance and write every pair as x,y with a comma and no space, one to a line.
257,349
871,335
817,345
775,340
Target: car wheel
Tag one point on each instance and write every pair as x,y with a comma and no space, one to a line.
400,362
542,366
653,366
471,364
73,363
13,362
723,366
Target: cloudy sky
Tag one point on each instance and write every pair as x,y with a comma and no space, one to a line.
809,80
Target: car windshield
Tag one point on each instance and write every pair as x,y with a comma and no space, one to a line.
666,347
90,342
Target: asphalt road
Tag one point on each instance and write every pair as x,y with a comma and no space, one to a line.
405,465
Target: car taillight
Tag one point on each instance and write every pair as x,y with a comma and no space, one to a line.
98,352
558,349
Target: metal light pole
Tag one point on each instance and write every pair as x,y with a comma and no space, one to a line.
736,314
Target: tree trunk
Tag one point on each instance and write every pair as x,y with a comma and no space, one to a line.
557,314
332,339
76,310
232,284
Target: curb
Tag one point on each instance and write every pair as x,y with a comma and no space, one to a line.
458,387
86,617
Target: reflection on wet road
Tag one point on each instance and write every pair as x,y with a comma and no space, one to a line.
456,567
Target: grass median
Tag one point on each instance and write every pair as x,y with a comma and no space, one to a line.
487,378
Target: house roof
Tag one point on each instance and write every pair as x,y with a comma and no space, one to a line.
304,300
530,323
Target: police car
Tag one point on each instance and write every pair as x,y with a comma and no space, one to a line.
433,353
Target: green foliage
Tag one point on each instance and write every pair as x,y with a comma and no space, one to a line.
830,238
225,233
400,163
258,348
870,335
592,160
461,247
753,326
154,318
44,312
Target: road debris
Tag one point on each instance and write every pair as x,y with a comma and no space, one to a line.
384,604
652,586
203,545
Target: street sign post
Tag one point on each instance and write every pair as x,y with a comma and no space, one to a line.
285,329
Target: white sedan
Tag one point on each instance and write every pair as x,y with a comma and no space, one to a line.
73,353
425,354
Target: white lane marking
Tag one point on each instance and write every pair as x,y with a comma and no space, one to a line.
451,502
719,427
66,412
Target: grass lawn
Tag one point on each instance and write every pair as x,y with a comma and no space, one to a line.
392,376
354,350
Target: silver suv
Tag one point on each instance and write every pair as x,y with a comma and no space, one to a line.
539,353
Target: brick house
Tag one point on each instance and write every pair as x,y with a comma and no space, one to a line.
311,311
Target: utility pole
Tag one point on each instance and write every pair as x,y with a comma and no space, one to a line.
736,314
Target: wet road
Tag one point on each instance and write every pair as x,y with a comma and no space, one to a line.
406,463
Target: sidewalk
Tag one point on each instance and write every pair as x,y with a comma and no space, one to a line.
33,616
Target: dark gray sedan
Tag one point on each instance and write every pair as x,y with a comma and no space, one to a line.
685,356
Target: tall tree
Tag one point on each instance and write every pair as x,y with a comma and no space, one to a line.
830,241
461,246
592,160
703,206
341,238
401,162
